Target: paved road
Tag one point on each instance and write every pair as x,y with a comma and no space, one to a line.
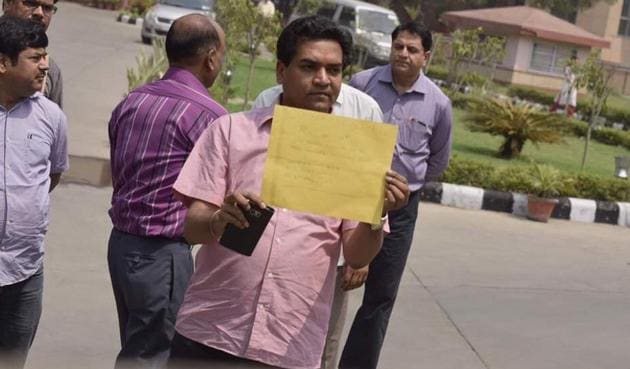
482,290
94,52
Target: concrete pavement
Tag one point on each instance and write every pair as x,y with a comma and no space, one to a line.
94,52
481,290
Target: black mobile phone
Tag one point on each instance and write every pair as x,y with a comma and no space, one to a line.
244,241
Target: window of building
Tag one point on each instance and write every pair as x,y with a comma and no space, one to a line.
624,24
550,58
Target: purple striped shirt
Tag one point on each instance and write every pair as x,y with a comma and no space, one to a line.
151,134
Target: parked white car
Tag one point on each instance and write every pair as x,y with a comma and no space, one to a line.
159,18
370,25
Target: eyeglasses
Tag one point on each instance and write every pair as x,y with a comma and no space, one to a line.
34,4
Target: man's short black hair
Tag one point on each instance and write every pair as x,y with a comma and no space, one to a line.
17,35
309,29
187,39
418,30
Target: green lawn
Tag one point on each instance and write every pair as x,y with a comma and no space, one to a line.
264,77
619,102
564,156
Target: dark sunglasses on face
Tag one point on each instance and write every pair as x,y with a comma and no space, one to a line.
34,4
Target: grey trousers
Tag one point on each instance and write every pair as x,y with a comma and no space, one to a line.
335,325
20,310
149,278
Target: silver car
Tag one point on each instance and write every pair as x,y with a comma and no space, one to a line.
159,18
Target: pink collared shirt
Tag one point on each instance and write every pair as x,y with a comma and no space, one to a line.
273,306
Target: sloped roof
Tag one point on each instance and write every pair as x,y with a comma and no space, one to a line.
525,21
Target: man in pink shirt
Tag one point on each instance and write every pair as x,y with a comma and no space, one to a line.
270,309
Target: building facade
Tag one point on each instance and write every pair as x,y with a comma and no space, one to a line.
611,22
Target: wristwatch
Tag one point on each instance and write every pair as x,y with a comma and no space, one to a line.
379,226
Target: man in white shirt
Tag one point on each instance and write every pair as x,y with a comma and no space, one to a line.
266,8
351,103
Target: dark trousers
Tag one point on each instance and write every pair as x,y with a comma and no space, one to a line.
20,310
188,354
149,278
367,334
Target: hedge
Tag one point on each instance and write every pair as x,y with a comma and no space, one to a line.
517,179
608,136
531,94
611,114
437,72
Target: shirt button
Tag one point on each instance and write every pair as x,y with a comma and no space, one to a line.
277,239
270,275
284,210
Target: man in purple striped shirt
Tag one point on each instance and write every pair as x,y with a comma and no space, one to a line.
152,132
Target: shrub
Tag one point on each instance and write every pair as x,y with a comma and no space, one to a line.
531,94
544,181
467,172
608,136
516,122
534,95
523,180
140,7
458,99
149,68
474,79
437,72
508,179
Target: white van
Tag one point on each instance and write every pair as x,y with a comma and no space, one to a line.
370,25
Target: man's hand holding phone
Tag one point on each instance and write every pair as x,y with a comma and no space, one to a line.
240,222
231,212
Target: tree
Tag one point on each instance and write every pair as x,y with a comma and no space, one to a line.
565,9
463,47
516,122
491,52
246,27
593,76
302,7
430,10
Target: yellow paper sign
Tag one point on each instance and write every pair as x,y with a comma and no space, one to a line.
327,165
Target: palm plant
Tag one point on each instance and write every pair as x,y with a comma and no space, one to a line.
516,122
149,67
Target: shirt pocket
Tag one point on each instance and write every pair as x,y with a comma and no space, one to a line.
36,155
413,135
